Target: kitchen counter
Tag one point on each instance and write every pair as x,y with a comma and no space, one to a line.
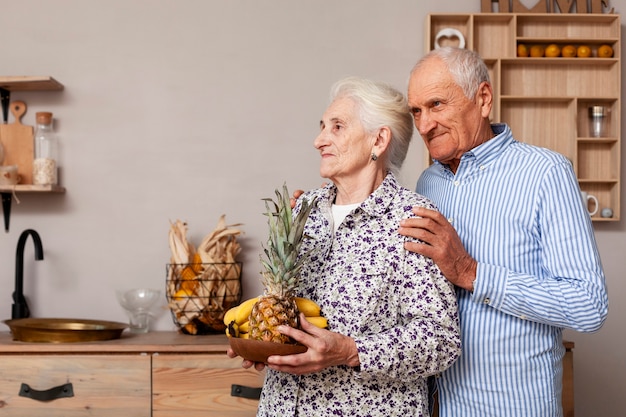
156,374
151,342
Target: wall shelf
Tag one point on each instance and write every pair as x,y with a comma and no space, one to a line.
24,83
9,84
31,189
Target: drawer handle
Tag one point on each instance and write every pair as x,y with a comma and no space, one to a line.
245,392
62,391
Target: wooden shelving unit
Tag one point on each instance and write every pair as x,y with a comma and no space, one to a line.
545,101
9,84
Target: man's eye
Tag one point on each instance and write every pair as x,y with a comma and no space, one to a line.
436,103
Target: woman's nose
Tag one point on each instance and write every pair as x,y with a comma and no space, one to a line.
319,140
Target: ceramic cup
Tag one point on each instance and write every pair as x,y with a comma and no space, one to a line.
9,175
589,197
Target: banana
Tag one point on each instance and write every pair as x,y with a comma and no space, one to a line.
232,329
308,307
244,335
244,310
230,315
318,321
244,327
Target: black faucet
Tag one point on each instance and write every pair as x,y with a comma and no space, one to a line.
20,308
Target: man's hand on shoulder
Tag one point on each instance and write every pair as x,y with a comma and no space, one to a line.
440,242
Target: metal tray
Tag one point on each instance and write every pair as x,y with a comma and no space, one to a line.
54,330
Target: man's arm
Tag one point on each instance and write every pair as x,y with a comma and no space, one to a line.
441,243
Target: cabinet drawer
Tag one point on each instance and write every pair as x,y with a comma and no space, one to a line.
102,385
200,385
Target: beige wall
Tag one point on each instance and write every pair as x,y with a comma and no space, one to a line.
190,109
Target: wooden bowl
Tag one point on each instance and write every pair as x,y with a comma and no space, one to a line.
258,351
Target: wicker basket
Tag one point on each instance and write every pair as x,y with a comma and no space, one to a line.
200,294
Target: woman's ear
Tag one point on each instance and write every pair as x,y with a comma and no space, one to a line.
382,140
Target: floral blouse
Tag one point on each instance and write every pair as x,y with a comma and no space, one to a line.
395,304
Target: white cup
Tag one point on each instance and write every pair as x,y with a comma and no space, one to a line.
9,175
589,197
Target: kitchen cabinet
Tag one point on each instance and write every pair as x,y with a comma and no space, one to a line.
9,84
546,100
101,385
201,385
158,374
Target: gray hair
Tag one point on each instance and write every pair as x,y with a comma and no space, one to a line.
380,105
466,67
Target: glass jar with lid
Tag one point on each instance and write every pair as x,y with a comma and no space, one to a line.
46,151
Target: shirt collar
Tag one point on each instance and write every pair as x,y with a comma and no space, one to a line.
374,205
486,152
490,150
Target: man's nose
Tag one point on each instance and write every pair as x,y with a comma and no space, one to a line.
425,123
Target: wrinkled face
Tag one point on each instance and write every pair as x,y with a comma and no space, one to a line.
344,145
447,120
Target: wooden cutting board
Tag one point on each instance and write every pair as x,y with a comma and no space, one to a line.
18,142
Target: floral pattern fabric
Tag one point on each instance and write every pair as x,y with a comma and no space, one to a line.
395,304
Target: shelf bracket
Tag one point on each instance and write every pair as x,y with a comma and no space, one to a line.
6,208
5,98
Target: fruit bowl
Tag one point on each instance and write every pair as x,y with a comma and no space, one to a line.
258,351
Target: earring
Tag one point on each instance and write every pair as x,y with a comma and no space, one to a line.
374,156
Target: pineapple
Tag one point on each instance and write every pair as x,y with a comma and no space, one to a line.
281,270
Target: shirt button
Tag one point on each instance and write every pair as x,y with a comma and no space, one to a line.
456,183
486,301
482,167
523,317
450,220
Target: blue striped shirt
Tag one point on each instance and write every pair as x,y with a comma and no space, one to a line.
517,209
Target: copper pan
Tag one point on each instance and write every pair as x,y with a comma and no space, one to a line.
53,330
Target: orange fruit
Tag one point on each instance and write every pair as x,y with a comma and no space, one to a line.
522,50
568,51
553,50
583,51
605,51
537,51
182,294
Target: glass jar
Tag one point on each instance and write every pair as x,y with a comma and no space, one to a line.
46,149
598,121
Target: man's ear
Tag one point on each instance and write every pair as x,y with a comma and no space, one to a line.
485,98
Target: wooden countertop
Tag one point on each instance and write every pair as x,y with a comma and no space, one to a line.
152,342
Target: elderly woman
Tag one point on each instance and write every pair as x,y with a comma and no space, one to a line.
392,316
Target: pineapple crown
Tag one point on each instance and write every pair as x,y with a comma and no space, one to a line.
282,265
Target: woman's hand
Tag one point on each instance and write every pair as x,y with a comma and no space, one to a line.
325,349
259,366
